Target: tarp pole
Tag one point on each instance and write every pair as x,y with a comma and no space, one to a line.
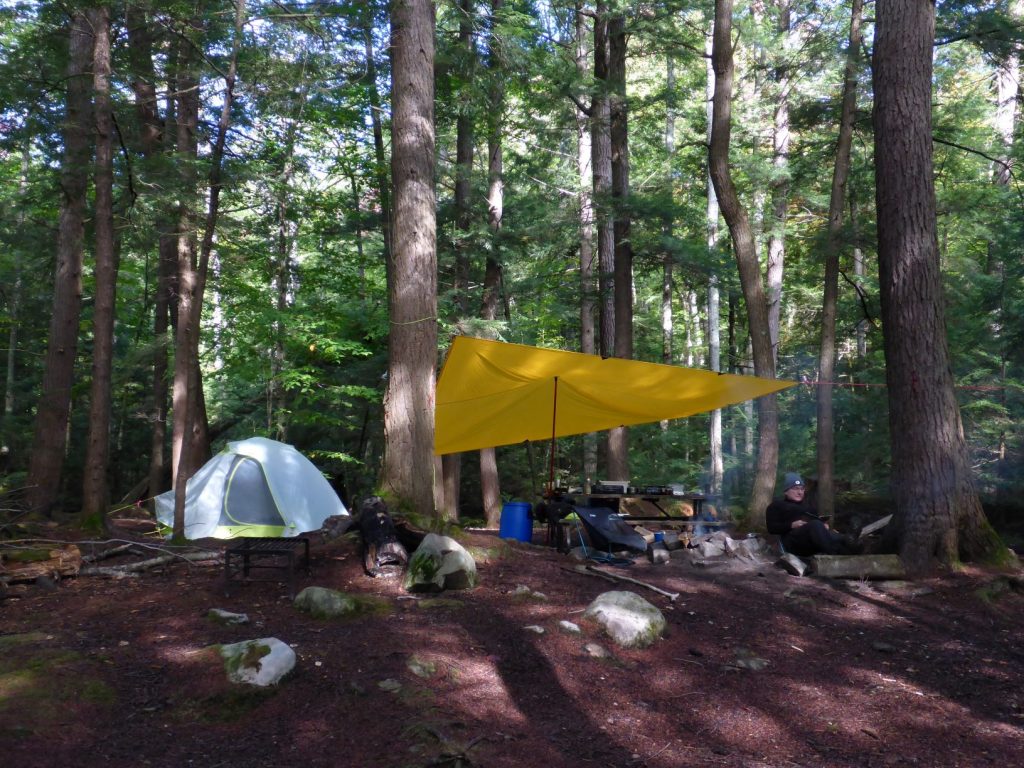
554,413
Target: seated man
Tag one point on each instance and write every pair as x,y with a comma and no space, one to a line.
794,519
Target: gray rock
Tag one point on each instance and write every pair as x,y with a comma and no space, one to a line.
792,564
596,651
262,662
324,603
569,628
628,619
440,563
658,553
226,618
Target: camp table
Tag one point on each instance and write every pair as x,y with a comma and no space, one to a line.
612,500
265,554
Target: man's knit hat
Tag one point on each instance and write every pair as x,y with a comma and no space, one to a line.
792,480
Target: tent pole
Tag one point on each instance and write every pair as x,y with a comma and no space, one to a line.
554,413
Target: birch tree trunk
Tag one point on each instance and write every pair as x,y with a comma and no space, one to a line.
667,224
836,206
46,463
746,260
408,472
716,461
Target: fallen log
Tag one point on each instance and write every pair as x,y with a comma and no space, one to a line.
858,566
29,563
120,571
672,596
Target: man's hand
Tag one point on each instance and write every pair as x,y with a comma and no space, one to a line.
798,523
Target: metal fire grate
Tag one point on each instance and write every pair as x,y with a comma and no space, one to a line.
276,558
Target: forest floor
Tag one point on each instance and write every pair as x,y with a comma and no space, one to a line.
97,671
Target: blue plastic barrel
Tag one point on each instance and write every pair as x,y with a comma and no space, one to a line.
516,522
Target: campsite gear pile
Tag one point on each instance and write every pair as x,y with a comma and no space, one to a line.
255,487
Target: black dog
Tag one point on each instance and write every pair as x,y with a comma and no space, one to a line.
381,547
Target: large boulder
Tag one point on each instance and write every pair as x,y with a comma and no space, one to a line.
260,662
627,618
440,563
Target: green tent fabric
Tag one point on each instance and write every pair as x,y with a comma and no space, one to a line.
256,487
491,393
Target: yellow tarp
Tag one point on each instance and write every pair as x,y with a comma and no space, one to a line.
491,393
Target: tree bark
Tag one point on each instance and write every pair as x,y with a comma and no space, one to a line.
746,260
780,178
152,137
412,289
667,221
588,287
618,438
936,502
716,461
95,490
490,487
601,148
189,406
14,306
451,464
380,171
47,459
836,206
186,149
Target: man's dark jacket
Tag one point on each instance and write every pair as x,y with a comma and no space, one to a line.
782,512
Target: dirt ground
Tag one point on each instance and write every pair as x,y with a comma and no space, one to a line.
96,671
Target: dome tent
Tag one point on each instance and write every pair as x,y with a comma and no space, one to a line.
255,487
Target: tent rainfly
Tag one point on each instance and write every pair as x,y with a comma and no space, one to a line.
491,393
256,487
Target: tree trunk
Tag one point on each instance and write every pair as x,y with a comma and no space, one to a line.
588,289
931,478
780,178
51,424
836,206
186,120
380,171
489,482
746,261
412,289
189,405
152,135
95,490
601,149
14,306
667,222
618,438
464,142
716,461
451,464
